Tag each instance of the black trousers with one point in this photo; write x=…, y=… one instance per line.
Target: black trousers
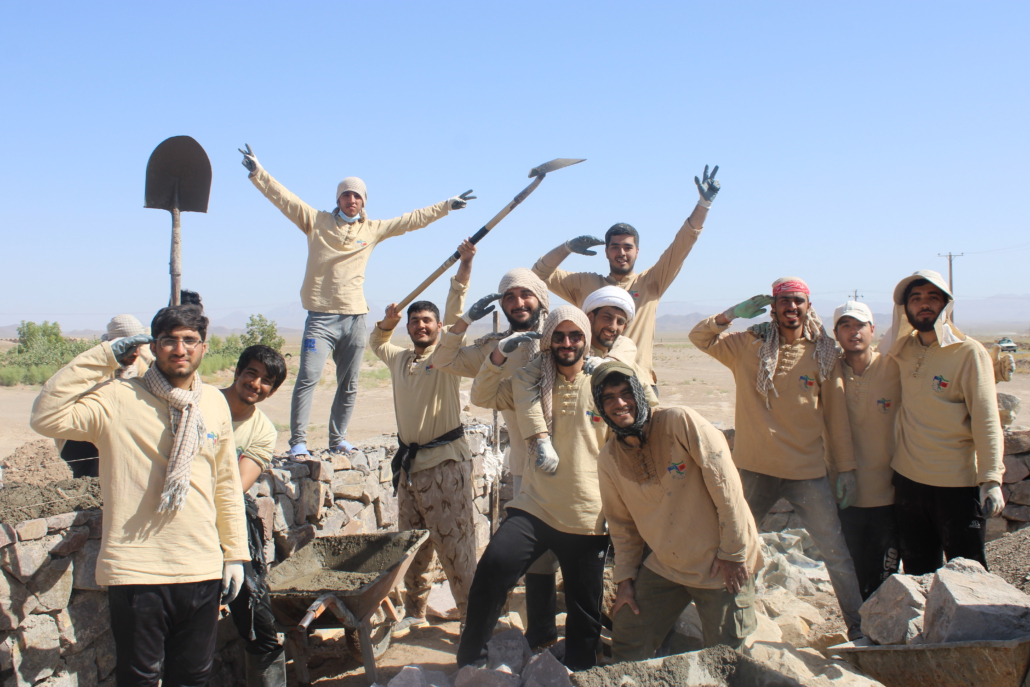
x=170, y=624
x=519, y=541
x=872, y=538
x=937, y=523
x=251, y=610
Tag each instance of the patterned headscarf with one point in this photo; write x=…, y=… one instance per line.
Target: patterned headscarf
x=189, y=429
x=564, y=313
x=521, y=278
x=601, y=372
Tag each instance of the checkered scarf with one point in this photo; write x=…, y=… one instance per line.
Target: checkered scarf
x=188, y=426
x=769, y=353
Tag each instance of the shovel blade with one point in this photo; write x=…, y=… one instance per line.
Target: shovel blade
x=182, y=159
x=553, y=165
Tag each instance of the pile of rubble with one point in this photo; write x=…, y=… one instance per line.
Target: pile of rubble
x=1016, y=489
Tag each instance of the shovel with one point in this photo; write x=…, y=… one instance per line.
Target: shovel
x=178, y=180
x=538, y=172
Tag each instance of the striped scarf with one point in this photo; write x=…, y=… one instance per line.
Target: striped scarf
x=769, y=353
x=188, y=426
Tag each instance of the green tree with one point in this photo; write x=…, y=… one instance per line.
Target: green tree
x=262, y=331
x=43, y=344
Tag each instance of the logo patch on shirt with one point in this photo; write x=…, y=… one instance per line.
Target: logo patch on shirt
x=678, y=470
x=806, y=383
x=213, y=438
x=594, y=417
x=884, y=405
x=309, y=346
x=360, y=243
x=429, y=368
x=940, y=383
x=635, y=294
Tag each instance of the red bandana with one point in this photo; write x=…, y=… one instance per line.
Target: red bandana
x=791, y=287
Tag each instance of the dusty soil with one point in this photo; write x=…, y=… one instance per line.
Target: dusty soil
x=36, y=462
x=1009, y=557
x=20, y=501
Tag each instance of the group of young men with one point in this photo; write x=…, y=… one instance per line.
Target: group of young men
x=597, y=461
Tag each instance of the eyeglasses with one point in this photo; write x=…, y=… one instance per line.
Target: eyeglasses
x=169, y=343
x=573, y=337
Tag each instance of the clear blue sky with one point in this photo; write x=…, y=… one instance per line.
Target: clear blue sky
x=855, y=140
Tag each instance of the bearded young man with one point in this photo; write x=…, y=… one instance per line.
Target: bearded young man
x=790, y=396
x=174, y=532
x=948, y=459
x=662, y=469
x=559, y=508
x=432, y=469
x=339, y=245
x=621, y=247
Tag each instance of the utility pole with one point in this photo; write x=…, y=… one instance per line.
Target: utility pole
x=950, y=257
x=857, y=296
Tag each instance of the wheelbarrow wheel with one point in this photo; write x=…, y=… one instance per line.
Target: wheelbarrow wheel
x=380, y=641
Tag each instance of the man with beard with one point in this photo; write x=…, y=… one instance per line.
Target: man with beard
x=621, y=246
x=174, y=532
x=948, y=459
x=661, y=469
x=873, y=398
x=610, y=310
x=560, y=505
x=432, y=469
x=339, y=245
x=524, y=302
x=260, y=371
x=790, y=396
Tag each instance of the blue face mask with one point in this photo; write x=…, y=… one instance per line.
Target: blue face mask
x=348, y=220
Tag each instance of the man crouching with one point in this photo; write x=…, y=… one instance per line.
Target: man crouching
x=668, y=482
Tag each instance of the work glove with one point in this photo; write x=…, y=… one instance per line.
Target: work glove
x=1005, y=367
x=125, y=345
x=847, y=489
x=250, y=160
x=991, y=499
x=458, y=202
x=582, y=244
x=232, y=581
x=546, y=456
x=590, y=364
x=481, y=308
x=707, y=186
x=509, y=344
x=749, y=309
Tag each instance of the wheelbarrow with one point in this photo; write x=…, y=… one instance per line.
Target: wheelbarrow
x=998, y=663
x=350, y=576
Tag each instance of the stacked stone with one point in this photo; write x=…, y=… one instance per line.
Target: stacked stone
x=1016, y=489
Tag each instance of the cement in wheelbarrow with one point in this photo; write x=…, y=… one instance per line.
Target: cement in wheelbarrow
x=718, y=666
x=994, y=663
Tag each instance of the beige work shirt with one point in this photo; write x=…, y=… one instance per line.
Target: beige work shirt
x=426, y=402
x=255, y=438
x=338, y=251
x=783, y=438
x=949, y=432
x=569, y=500
x=680, y=495
x=646, y=288
x=466, y=361
x=133, y=431
x=873, y=400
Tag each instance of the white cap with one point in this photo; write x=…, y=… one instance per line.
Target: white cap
x=859, y=311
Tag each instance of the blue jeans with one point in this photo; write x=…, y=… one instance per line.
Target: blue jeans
x=345, y=336
x=814, y=503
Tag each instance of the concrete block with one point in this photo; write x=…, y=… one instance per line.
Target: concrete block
x=546, y=671
x=1016, y=469
x=287, y=543
x=1017, y=440
x=53, y=585
x=37, y=651
x=508, y=648
x=23, y=560
x=85, y=619
x=31, y=529
x=967, y=603
x=16, y=602
x=68, y=542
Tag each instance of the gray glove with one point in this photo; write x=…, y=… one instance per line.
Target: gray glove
x=250, y=160
x=127, y=344
x=590, y=363
x=508, y=345
x=546, y=456
x=481, y=308
x=707, y=186
x=458, y=202
x=749, y=309
x=581, y=244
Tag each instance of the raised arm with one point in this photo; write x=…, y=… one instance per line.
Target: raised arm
x=710, y=336
x=459, y=284
x=296, y=210
x=567, y=285
x=380, y=343
x=453, y=358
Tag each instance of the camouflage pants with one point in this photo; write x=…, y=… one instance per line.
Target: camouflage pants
x=439, y=499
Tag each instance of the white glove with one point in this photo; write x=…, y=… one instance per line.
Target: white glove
x=1006, y=366
x=991, y=499
x=459, y=202
x=232, y=581
x=510, y=343
x=546, y=456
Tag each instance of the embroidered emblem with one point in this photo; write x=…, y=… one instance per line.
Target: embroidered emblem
x=884, y=405
x=940, y=383
x=429, y=368
x=361, y=244
x=594, y=417
x=635, y=294
x=213, y=438
x=806, y=383
x=678, y=470
x=309, y=345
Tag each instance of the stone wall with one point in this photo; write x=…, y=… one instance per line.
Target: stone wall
x=54, y=619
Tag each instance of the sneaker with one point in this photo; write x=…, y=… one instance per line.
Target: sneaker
x=405, y=626
x=299, y=450
x=343, y=446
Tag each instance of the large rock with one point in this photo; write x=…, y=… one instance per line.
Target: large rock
x=332, y=523
x=894, y=613
x=1016, y=469
x=16, y=602
x=441, y=602
x=106, y=656
x=1020, y=492
x=312, y=497
x=7, y=535
x=287, y=543
x=83, y=621
x=1017, y=440
x=81, y=668
x=482, y=677
x=86, y=565
x=63, y=521
x=37, y=652
x=783, y=603
x=386, y=508
x=410, y=676
x=1008, y=408
x=31, y=529
x=23, y=560
x=348, y=484
x=68, y=542
x=508, y=648
x=544, y=670
x=283, y=518
x=1016, y=513
x=320, y=470
x=53, y=585
x=968, y=603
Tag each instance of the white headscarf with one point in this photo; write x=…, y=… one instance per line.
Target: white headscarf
x=901, y=329
x=614, y=297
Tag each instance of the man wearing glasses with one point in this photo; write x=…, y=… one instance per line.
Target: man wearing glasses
x=174, y=532
x=559, y=507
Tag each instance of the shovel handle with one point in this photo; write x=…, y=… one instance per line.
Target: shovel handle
x=476, y=238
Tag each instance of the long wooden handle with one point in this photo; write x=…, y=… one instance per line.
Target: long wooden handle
x=484, y=230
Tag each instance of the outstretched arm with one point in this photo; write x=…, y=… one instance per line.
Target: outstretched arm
x=561, y=283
